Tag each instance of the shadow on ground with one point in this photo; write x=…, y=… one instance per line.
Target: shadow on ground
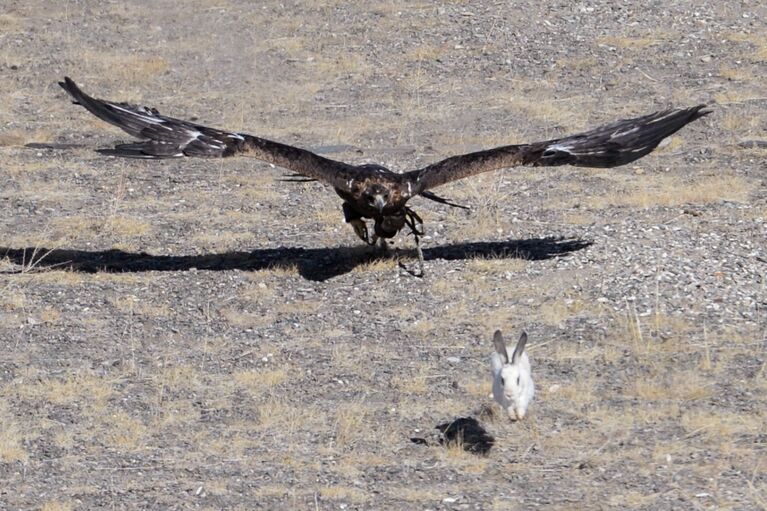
x=316, y=264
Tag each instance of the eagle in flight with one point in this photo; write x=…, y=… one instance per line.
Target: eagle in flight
x=372, y=191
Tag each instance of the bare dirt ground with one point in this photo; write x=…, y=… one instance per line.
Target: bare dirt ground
x=206, y=337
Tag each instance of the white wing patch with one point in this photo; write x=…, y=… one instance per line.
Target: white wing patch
x=623, y=133
x=192, y=137
x=668, y=114
x=150, y=118
x=565, y=148
x=560, y=147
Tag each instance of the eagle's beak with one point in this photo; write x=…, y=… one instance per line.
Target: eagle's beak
x=380, y=202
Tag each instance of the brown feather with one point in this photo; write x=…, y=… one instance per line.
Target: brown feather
x=167, y=137
x=614, y=144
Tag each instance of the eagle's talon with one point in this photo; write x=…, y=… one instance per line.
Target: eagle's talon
x=413, y=221
x=361, y=230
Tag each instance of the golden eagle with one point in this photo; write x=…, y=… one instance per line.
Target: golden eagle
x=372, y=191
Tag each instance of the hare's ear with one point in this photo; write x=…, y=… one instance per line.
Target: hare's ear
x=500, y=346
x=520, y=348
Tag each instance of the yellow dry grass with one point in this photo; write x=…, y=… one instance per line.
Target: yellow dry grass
x=346, y=493
x=11, y=442
x=87, y=389
x=687, y=385
x=57, y=505
x=757, y=42
x=257, y=382
x=18, y=137
x=673, y=191
x=629, y=43
x=415, y=383
x=350, y=423
x=125, y=433
x=122, y=67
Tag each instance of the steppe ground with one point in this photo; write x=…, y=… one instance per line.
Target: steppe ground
x=195, y=334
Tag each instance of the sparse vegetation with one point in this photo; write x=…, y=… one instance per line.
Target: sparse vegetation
x=194, y=334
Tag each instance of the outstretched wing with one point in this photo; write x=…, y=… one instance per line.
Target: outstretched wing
x=166, y=137
x=611, y=145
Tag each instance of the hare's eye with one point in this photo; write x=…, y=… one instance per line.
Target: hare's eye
x=503, y=382
x=517, y=380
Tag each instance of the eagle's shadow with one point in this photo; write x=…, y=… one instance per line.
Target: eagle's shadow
x=317, y=264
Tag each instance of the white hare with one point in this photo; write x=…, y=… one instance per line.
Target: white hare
x=513, y=387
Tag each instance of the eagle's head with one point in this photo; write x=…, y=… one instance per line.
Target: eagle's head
x=376, y=196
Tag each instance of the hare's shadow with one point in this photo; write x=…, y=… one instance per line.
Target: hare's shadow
x=316, y=264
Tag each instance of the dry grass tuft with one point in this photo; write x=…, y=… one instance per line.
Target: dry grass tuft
x=350, y=423
x=559, y=310
x=686, y=385
x=124, y=68
x=629, y=43
x=736, y=74
x=633, y=499
x=56, y=505
x=11, y=442
x=757, y=40
x=84, y=388
x=546, y=109
x=19, y=137
x=425, y=52
x=301, y=307
x=343, y=64
x=740, y=125
x=415, y=383
x=578, y=393
x=285, y=418
x=722, y=426
x=482, y=388
x=453, y=455
x=738, y=95
x=673, y=191
x=125, y=432
x=247, y=318
x=415, y=494
x=282, y=270
x=256, y=382
x=377, y=265
x=273, y=490
x=348, y=493
x=496, y=265
x=126, y=227
x=12, y=299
